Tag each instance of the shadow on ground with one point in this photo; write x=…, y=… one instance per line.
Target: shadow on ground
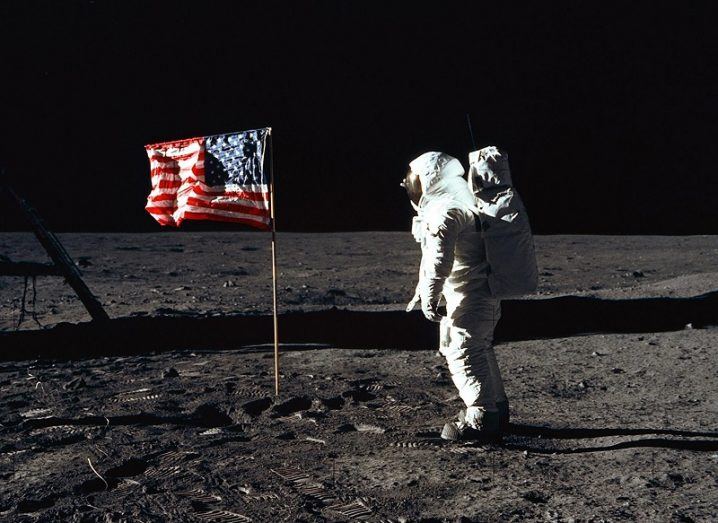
x=530, y=438
x=529, y=435
x=521, y=320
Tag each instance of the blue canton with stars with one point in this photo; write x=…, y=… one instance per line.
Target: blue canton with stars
x=235, y=159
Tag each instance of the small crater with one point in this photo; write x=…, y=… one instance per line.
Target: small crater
x=358, y=395
x=209, y=415
x=292, y=405
x=170, y=372
x=256, y=407
x=334, y=403
x=346, y=427
x=95, y=485
x=33, y=505
x=536, y=496
x=132, y=467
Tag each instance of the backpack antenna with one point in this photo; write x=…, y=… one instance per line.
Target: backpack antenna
x=471, y=132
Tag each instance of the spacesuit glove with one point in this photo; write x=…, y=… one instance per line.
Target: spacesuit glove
x=414, y=301
x=430, y=310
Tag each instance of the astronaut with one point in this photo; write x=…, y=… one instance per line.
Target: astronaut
x=454, y=265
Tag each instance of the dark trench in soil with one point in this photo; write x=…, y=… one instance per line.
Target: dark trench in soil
x=521, y=320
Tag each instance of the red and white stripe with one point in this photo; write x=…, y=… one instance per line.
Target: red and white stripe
x=179, y=191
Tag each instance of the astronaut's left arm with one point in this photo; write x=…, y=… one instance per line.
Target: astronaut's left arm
x=438, y=258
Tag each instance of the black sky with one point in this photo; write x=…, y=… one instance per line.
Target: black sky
x=608, y=110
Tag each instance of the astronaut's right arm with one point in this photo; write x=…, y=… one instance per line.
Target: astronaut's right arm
x=438, y=243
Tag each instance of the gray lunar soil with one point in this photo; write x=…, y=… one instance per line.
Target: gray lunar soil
x=605, y=427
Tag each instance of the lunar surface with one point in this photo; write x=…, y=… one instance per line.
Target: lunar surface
x=606, y=426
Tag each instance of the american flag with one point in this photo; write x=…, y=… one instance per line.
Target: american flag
x=217, y=178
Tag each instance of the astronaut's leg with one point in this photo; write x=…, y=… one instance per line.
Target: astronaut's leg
x=469, y=366
x=470, y=325
x=444, y=335
x=502, y=402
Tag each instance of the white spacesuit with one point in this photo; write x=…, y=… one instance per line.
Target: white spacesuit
x=454, y=264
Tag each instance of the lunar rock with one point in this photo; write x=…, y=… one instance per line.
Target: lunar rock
x=170, y=372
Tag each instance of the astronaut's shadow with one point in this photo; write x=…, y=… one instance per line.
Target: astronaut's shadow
x=537, y=439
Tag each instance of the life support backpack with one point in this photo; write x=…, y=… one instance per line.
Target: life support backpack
x=504, y=225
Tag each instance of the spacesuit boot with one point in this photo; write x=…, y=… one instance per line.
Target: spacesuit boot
x=473, y=424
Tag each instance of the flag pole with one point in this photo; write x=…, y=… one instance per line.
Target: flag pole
x=274, y=264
